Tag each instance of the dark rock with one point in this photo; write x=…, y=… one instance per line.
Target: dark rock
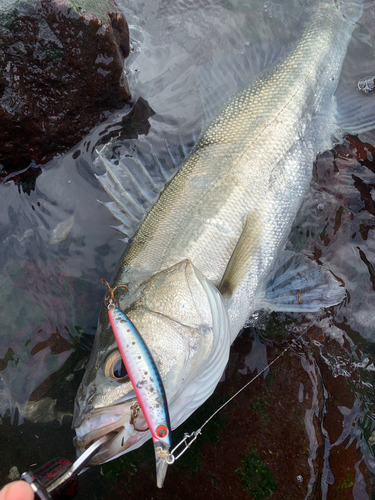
x=61, y=72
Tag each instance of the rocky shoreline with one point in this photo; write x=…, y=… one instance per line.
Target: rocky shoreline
x=61, y=73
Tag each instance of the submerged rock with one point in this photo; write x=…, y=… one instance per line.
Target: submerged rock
x=61, y=72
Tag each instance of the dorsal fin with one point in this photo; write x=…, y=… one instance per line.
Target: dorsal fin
x=133, y=188
x=136, y=172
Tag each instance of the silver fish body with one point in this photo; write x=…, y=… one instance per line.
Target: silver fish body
x=220, y=224
x=254, y=161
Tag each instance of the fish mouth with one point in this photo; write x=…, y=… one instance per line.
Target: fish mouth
x=82, y=443
x=111, y=419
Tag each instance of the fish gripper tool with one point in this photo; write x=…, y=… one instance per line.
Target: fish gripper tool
x=58, y=478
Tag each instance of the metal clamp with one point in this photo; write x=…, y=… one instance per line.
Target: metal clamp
x=186, y=445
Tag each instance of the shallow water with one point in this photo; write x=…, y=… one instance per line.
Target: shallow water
x=304, y=430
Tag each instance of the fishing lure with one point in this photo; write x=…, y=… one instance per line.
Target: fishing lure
x=146, y=381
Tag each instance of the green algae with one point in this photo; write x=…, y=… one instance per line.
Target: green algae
x=259, y=405
x=98, y=8
x=271, y=376
x=276, y=325
x=347, y=483
x=257, y=479
x=54, y=54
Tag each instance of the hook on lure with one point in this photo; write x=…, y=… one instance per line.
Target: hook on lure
x=146, y=381
x=111, y=301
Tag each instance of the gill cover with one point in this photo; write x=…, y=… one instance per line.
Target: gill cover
x=182, y=317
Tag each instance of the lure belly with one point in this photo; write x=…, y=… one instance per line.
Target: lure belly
x=146, y=381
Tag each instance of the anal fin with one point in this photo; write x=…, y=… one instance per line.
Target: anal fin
x=299, y=284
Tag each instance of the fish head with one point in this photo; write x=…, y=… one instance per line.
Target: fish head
x=183, y=321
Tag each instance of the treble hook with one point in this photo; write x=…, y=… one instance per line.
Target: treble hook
x=134, y=412
x=111, y=301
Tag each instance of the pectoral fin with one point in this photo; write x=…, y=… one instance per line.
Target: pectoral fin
x=299, y=284
x=240, y=262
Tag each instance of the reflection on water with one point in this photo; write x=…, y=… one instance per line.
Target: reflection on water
x=304, y=430
x=52, y=249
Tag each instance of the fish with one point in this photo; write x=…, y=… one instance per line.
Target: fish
x=206, y=247
x=146, y=381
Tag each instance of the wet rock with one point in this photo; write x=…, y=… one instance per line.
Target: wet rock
x=61, y=72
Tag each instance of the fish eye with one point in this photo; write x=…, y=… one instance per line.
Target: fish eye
x=114, y=367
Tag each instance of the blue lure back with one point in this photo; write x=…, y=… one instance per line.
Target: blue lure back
x=146, y=381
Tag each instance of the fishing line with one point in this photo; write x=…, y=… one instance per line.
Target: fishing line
x=194, y=435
